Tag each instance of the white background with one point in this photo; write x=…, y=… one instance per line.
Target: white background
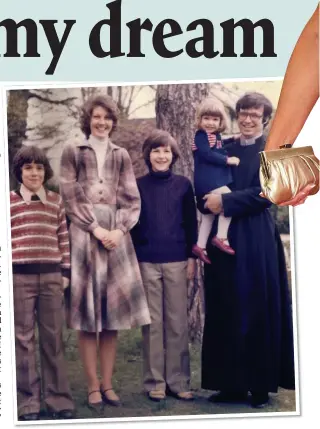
x=307, y=241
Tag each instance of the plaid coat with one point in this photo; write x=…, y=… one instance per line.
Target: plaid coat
x=106, y=286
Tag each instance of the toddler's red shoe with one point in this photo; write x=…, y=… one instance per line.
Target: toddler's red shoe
x=201, y=253
x=221, y=244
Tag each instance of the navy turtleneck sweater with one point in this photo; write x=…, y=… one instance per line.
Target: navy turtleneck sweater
x=167, y=228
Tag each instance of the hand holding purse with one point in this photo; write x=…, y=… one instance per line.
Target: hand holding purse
x=286, y=171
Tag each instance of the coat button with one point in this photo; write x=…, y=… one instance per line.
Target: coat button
x=101, y=181
x=100, y=192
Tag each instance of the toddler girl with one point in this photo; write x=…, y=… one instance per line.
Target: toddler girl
x=212, y=173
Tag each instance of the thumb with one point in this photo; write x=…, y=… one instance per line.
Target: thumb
x=205, y=197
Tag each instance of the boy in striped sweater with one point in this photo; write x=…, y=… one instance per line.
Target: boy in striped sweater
x=41, y=271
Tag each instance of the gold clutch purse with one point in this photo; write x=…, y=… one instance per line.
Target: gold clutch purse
x=286, y=171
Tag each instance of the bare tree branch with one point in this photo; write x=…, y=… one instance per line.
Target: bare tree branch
x=142, y=105
x=65, y=101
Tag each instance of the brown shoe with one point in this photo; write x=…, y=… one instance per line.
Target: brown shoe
x=29, y=417
x=62, y=414
x=201, y=254
x=157, y=395
x=182, y=396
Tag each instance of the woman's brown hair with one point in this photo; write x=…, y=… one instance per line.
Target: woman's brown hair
x=103, y=101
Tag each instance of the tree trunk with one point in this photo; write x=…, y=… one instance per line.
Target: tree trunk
x=175, y=113
x=17, y=108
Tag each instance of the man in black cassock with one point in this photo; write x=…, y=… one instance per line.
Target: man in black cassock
x=248, y=338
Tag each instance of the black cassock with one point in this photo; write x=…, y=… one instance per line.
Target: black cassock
x=248, y=337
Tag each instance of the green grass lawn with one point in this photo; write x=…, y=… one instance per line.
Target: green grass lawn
x=127, y=383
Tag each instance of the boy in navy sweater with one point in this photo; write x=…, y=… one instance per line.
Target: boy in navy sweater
x=163, y=240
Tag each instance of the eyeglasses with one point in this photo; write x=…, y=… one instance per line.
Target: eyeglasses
x=253, y=116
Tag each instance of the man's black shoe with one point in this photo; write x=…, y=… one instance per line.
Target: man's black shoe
x=228, y=397
x=259, y=400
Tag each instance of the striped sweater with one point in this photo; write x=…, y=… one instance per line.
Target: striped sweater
x=213, y=140
x=39, y=235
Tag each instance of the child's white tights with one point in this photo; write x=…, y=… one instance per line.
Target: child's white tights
x=207, y=220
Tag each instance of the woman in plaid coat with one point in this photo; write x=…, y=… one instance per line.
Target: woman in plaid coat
x=102, y=202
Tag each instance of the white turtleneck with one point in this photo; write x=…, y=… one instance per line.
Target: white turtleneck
x=100, y=147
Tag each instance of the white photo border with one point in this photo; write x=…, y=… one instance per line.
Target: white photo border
x=8, y=86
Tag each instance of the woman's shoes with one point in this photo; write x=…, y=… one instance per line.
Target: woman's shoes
x=109, y=397
x=95, y=406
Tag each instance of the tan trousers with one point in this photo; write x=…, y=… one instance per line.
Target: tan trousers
x=165, y=340
x=39, y=297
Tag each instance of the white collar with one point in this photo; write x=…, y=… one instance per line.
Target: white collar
x=250, y=141
x=27, y=194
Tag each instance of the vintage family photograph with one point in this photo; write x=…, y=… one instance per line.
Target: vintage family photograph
x=149, y=276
